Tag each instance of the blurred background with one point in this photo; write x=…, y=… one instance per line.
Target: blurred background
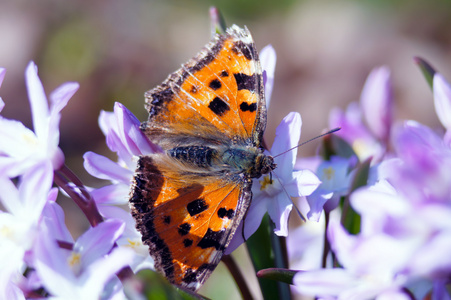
x=119, y=49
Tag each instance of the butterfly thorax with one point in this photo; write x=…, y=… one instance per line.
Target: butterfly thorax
x=236, y=159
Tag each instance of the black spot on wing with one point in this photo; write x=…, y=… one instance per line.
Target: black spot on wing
x=196, y=207
x=224, y=73
x=246, y=82
x=215, y=84
x=212, y=239
x=167, y=219
x=246, y=107
x=192, y=276
x=187, y=242
x=224, y=212
x=218, y=106
x=184, y=229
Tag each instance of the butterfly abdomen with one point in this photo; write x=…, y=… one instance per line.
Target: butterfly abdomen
x=200, y=156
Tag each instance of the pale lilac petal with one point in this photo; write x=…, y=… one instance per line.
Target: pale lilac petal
x=304, y=183
x=102, y=270
x=98, y=241
x=61, y=96
x=254, y=216
x=2, y=76
x=442, y=100
x=131, y=135
x=59, y=99
x=12, y=134
x=324, y=282
x=115, y=194
x=51, y=265
x=393, y=295
x=34, y=189
x=12, y=167
x=376, y=102
x=268, y=59
x=115, y=144
x=288, y=134
x=104, y=168
x=279, y=213
x=9, y=196
x=316, y=202
x=38, y=101
x=53, y=216
x=107, y=122
x=2, y=104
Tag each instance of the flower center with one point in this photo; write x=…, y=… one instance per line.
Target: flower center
x=74, y=259
x=5, y=231
x=134, y=243
x=265, y=183
x=329, y=173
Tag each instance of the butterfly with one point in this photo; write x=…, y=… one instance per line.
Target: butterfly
x=208, y=118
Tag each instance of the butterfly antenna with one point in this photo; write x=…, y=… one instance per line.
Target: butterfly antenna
x=303, y=218
x=316, y=137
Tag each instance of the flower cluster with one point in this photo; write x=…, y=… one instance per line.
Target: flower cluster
x=378, y=201
x=401, y=250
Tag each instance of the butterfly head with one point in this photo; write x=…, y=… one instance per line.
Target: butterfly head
x=263, y=165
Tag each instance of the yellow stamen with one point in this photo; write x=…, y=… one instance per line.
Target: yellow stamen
x=265, y=182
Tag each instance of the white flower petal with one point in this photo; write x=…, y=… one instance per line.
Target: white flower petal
x=268, y=59
x=38, y=101
x=442, y=100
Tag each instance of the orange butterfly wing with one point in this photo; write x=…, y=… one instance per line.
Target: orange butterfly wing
x=209, y=118
x=187, y=226
x=218, y=91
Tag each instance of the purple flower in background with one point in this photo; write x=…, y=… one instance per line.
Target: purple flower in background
x=442, y=102
x=405, y=226
x=274, y=196
x=84, y=271
x=2, y=76
x=22, y=148
x=376, y=105
x=335, y=175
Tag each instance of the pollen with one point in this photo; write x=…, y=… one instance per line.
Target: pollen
x=133, y=243
x=74, y=259
x=265, y=183
x=6, y=231
x=329, y=173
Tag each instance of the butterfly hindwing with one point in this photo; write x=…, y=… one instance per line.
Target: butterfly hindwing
x=187, y=225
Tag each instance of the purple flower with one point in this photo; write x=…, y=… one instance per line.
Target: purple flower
x=376, y=107
x=335, y=176
x=405, y=226
x=273, y=196
x=268, y=60
x=123, y=136
x=376, y=102
x=22, y=148
x=84, y=271
x=442, y=102
x=2, y=76
x=19, y=224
